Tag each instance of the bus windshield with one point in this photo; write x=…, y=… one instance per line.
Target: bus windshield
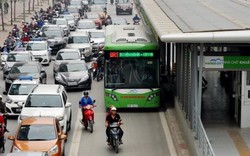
x=132, y=72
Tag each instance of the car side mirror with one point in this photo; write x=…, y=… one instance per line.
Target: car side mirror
x=66, y=39
x=68, y=104
x=4, y=92
x=11, y=137
x=42, y=71
x=63, y=137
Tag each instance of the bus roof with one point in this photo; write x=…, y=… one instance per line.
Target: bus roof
x=129, y=37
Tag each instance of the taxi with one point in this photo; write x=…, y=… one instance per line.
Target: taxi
x=18, y=93
x=40, y=134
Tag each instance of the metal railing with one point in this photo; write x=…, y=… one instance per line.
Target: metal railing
x=201, y=136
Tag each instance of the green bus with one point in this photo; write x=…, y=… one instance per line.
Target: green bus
x=131, y=77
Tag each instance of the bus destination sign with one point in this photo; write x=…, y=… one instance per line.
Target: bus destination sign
x=130, y=54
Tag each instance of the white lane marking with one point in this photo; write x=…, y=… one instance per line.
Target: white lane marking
x=76, y=139
x=169, y=138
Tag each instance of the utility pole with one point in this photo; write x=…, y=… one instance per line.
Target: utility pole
x=11, y=12
x=1, y=7
x=29, y=6
x=15, y=10
x=24, y=10
x=33, y=5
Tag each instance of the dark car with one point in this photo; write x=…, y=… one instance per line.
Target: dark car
x=73, y=75
x=124, y=6
x=55, y=37
x=34, y=69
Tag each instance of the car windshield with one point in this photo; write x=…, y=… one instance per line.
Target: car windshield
x=122, y=1
x=132, y=72
x=86, y=25
x=24, y=69
x=52, y=33
x=68, y=56
x=72, y=67
x=99, y=1
x=37, y=132
x=60, y=22
x=17, y=57
x=75, y=3
x=21, y=89
x=78, y=39
x=73, y=10
x=36, y=46
x=41, y=100
x=92, y=16
x=69, y=17
x=97, y=34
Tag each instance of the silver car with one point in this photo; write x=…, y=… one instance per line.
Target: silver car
x=62, y=23
x=66, y=54
x=81, y=41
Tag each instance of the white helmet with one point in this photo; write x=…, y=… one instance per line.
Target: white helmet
x=113, y=109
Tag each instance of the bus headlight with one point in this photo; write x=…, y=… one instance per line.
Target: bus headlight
x=112, y=96
x=152, y=96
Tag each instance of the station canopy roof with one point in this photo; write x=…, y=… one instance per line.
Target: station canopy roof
x=199, y=20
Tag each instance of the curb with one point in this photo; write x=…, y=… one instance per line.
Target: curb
x=177, y=133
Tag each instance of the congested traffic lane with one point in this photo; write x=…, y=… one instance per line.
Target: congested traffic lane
x=143, y=132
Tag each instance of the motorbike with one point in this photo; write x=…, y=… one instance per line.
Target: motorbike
x=88, y=117
x=115, y=136
x=136, y=22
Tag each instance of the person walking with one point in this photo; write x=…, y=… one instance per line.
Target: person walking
x=6, y=7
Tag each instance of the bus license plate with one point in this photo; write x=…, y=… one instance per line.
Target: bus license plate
x=132, y=105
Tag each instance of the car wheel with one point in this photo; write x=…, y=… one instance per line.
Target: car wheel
x=69, y=122
x=63, y=153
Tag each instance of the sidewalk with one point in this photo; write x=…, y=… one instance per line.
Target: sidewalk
x=19, y=15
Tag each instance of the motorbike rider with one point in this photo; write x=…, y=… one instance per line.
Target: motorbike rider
x=111, y=118
x=136, y=18
x=108, y=20
x=5, y=48
x=86, y=100
x=3, y=111
x=15, y=31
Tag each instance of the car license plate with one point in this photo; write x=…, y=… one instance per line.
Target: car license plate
x=72, y=83
x=132, y=106
x=18, y=110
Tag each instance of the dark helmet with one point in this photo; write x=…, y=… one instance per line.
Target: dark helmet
x=85, y=93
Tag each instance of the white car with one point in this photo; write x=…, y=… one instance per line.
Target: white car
x=71, y=21
x=18, y=94
x=97, y=37
x=81, y=41
x=49, y=101
x=40, y=50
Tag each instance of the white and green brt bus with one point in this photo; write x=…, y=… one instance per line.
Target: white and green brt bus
x=131, y=77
